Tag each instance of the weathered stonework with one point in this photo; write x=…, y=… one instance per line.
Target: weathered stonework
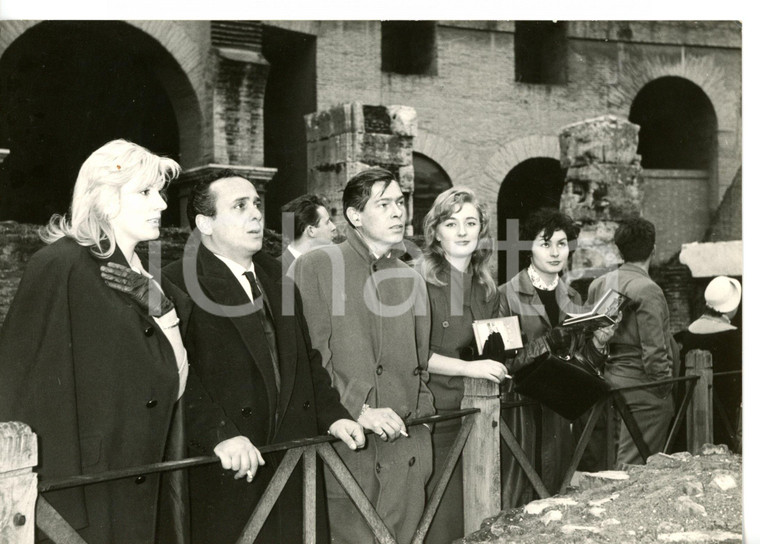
x=349, y=138
x=602, y=186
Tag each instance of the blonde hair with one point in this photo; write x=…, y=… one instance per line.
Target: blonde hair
x=96, y=193
x=434, y=263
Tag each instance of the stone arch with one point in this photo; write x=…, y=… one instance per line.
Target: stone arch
x=510, y=155
x=447, y=155
x=184, y=82
x=702, y=71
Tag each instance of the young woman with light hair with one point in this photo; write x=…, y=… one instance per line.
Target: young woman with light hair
x=457, y=249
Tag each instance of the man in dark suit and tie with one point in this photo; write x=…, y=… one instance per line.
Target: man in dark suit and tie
x=254, y=378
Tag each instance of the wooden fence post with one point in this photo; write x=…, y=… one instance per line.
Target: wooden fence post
x=18, y=484
x=481, y=462
x=699, y=417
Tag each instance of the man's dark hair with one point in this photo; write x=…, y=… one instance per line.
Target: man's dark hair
x=546, y=221
x=305, y=210
x=359, y=188
x=202, y=200
x=634, y=238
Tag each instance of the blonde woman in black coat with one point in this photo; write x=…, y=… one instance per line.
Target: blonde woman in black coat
x=91, y=357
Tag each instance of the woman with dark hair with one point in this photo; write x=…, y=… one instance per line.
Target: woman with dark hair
x=460, y=289
x=541, y=300
x=91, y=356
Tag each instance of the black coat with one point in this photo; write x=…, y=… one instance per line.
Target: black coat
x=231, y=391
x=96, y=379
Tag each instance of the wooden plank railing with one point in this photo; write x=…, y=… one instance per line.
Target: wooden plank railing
x=18, y=457
x=477, y=443
x=615, y=397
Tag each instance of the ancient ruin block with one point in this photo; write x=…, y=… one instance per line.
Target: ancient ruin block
x=349, y=138
x=346, y=118
x=406, y=178
x=605, y=139
x=602, y=191
x=403, y=120
x=387, y=149
x=596, y=247
x=601, y=186
x=603, y=169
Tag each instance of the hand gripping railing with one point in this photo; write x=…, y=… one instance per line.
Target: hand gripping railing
x=60, y=532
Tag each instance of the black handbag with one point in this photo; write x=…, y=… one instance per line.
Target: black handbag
x=567, y=386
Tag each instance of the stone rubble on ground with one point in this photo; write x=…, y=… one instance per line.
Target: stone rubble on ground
x=673, y=498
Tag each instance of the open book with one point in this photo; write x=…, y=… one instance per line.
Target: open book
x=604, y=313
x=508, y=327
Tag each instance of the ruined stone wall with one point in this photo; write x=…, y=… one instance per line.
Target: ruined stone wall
x=347, y=139
x=475, y=103
x=727, y=224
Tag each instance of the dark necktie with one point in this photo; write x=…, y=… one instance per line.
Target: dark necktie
x=266, y=322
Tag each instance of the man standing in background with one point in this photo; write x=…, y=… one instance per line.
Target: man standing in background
x=312, y=228
x=641, y=348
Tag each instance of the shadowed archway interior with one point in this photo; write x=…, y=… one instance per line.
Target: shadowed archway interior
x=532, y=184
x=430, y=180
x=65, y=89
x=678, y=125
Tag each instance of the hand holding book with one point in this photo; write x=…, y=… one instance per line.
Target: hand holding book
x=607, y=311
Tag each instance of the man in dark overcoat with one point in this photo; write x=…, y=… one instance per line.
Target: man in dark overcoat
x=254, y=379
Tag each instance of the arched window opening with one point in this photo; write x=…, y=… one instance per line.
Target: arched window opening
x=430, y=180
x=532, y=184
x=66, y=88
x=678, y=125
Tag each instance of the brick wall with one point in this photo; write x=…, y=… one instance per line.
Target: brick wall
x=475, y=103
x=676, y=202
x=727, y=224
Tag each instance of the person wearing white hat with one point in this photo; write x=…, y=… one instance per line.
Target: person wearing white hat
x=715, y=332
x=722, y=298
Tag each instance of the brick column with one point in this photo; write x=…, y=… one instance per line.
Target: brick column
x=238, y=81
x=347, y=139
x=601, y=186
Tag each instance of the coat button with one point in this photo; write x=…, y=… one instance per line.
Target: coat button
x=139, y=479
x=445, y=324
x=246, y=412
x=306, y=405
x=151, y=403
x=416, y=371
x=412, y=461
x=379, y=370
x=377, y=468
x=149, y=331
